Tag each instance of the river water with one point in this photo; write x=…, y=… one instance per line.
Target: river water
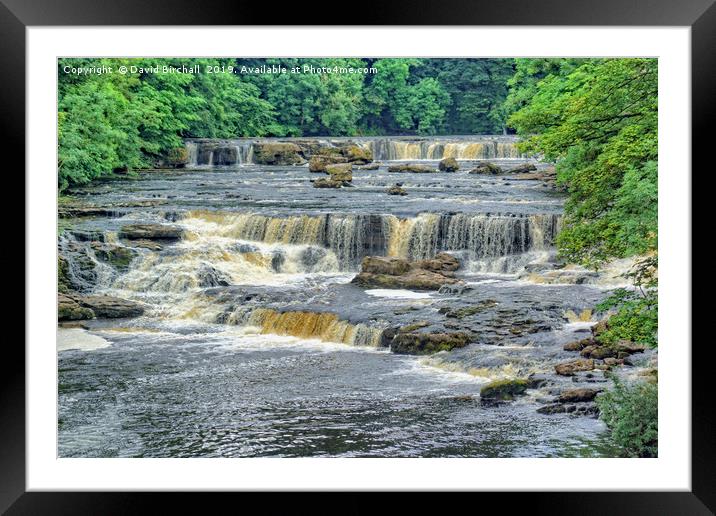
x=255, y=343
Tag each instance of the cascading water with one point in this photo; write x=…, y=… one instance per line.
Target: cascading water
x=475, y=148
x=352, y=237
x=215, y=152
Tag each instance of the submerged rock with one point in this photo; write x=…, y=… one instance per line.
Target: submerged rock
x=411, y=167
x=584, y=409
x=326, y=183
x=370, y=166
x=503, y=390
x=416, y=343
x=448, y=165
x=396, y=190
x=151, y=232
x=208, y=276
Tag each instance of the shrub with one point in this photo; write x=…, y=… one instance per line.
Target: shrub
x=631, y=413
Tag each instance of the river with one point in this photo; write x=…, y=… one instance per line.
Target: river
x=256, y=343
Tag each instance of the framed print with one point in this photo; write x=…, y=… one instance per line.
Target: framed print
x=360, y=258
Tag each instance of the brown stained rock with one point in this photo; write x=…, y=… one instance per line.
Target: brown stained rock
x=574, y=366
x=578, y=395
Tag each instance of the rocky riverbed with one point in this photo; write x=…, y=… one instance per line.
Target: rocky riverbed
x=232, y=308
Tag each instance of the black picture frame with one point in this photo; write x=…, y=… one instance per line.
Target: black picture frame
x=700, y=15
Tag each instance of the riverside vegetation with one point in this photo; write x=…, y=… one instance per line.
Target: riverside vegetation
x=188, y=197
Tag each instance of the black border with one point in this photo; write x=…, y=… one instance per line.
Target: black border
x=700, y=15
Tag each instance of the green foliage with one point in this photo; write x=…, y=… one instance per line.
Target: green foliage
x=636, y=318
x=636, y=312
x=598, y=121
x=631, y=413
x=111, y=122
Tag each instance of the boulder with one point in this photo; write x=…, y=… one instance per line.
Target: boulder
x=521, y=169
x=396, y=190
x=369, y=166
x=574, y=366
x=503, y=390
x=340, y=172
x=319, y=163
x=150, y=232
x=411, y=167
x=486, y=168
x=440, y=263
x=415, y=279
x=386, y=272
x=277, y=153
x=326, y=183
x=578, y=395
x=598, y=352
x=385, y=265
x=629, y=348
x=68, y=309
x=448, y=165
x=110, y=307
x=578, y=345
x=415, y=343
x=357, y=154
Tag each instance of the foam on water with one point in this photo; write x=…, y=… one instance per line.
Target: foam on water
x=78, y=338
x=397, y=293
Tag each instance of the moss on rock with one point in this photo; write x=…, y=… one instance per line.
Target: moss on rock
x=504, y=390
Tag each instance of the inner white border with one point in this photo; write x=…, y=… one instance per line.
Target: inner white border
x=670, y=471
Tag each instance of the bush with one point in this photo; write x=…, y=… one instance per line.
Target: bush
x=631, y=413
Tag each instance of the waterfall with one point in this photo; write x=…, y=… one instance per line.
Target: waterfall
x=480, y=235
x=83, y=270
x=468, y=148
x=348, y=237
x=325, y=326
x=217, y=152
x=214, y=153
x=351, y=237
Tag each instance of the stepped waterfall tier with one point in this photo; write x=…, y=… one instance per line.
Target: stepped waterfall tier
x=245, y=151
x=210, y=309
